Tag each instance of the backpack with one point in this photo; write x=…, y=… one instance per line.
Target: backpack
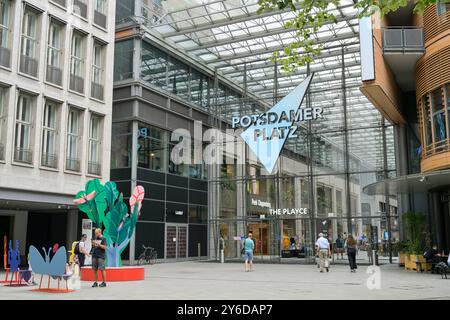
x=76, y=250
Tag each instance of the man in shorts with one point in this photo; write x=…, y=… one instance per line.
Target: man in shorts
x=249, y=246
x=98, y=257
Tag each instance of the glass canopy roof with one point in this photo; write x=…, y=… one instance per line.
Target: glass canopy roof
x=230, y=37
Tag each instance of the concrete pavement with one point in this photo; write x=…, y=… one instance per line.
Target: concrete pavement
x=210, y=280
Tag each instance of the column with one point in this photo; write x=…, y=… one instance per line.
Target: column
x=72, y=228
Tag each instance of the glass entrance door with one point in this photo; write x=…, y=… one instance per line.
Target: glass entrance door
x=176, y=242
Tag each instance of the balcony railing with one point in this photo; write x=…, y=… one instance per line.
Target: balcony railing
x=2, y=152
x=49, y=160
x=73, y=164
x=80, y=8
x=62, y=3
x=23, y=155
x=94, y=168
x=54, y=75
x=5, y=57
x=28, y=65
x=76, y=83
x=97, y=91
x=99, y=19
x=403, y=39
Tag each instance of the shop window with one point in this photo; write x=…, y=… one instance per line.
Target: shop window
x=198, y=214
x=324, y=201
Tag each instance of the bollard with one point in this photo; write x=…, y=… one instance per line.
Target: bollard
x=199, y=250
x=222, y=256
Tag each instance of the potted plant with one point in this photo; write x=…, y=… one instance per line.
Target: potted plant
x=401, y=247
x=415, y=223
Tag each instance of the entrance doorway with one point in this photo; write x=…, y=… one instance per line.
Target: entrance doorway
x=176, y=241
x=260, y=234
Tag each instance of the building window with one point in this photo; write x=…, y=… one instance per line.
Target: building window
x=54, y=54
x=123, y=60
x=100, y=13
x=438, y=117
x=5, y=52
x=80, y=8
x=74, y=130
x=76, y=63
x=3, y=118
x=442, y=8
x=97, y=88
x=154, y=65
x=94, y=146
x=49, y=157
x=23, y=148
x=152, y=148
x=29, y=44
x=121, y=148
x=62, y=3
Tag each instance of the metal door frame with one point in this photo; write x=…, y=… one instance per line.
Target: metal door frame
x=177, y=225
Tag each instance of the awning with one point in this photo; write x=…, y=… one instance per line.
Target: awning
x=419, y=182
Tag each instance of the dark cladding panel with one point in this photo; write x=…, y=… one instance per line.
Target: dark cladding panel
x=122, y=110
x=121, y=93
x=150, y=235
x=177, y=107
x=152, y=114
x=176, y=212
x=198, y=184
x=124, y=187
x=150, y=176
x=177, y=181
x=152, y=211
x=177, y=194
x=120, y=174
x=153, y=191
x=154, y=98
x=198, y=234
x=198, y=197
x=175, y=122
x=200, y=116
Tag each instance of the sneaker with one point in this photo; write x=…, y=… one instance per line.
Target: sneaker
x=95, y=285
x=321, y=271
x=103, y=284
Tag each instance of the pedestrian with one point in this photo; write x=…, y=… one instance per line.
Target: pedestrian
x=340, y=247
x=323, y=252
x=98, y=257
x=81, y=251
x=249, y=246
x=351, y=245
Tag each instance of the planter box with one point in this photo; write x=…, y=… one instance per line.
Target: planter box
x=115, y=274
x=407, y=262
x=401, y=259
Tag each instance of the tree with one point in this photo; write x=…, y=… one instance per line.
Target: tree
x=311, y=15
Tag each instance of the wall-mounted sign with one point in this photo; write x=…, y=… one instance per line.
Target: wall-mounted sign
x=178, y=213
x=267, y=133
x=292, y=211
x=262, y=204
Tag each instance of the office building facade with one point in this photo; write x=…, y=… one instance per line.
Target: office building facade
x=55, y=113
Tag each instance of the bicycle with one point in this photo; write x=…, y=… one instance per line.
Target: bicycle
x=149, y=256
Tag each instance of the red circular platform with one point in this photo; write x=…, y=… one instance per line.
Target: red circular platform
x=115, y=274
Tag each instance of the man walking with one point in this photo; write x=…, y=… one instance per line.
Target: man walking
x=98, y=257
x=249, y=246
x=323, y=251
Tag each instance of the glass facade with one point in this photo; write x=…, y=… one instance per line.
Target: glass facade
x=323, y=170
